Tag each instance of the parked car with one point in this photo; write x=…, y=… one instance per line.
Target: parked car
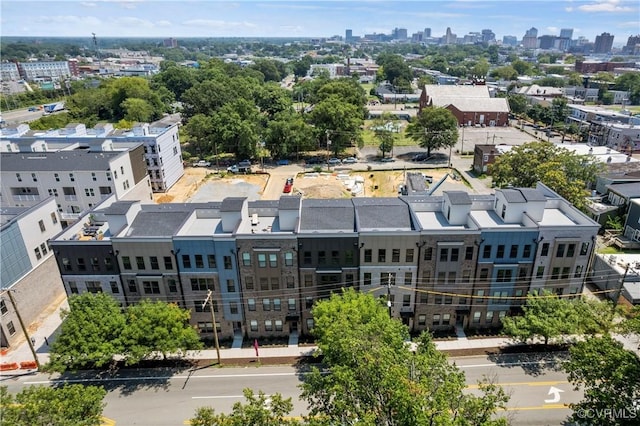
x=202, y=163
x=33, y=109
x=233, y=169
x=288, y=186
x=283, y=162
x=387, y=160
x=334, y=161
x=244, y=163
x=290, y=180
x=427, y=178
x=350, y=160
x=314, y=160
x=419, y=157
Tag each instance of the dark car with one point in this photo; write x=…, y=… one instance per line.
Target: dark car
x=419, y=157
x=288, y=186
x=314, y=160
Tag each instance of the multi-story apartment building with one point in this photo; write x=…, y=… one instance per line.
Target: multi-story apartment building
x=27, y=266
x=440, y=261
x=9, y=71
x=44, y=70
x=159, y=139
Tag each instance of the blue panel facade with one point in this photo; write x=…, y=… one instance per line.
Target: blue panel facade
x=14, y=257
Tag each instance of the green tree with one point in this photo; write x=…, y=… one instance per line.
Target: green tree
x=200, y=131
x=176, y=78
x=563, y=171
x=630, y=82
x=136, y=109
x=302, y=66
x=373, y=378
x=237, y=127
x=522, y=67
x=609, y=376
x=336, y=121
x=383, y=129
x=545, y=316
x=286, y=134
x=272, y=99
x=157, y=327
x=89, y=334
x=481, y=68
x=121, y=89
x=434, y=128
x=268, y=68
x=394, y=69
x=259, y=410
x=505, y=73
x=517, y=104
x=69, y=405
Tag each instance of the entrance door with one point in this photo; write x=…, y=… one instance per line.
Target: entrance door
x=293, y=326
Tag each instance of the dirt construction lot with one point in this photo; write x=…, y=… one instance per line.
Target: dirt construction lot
x=203, y=185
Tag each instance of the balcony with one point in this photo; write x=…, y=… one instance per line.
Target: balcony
x=25, y=197
x=71, y=197
x=69, y=216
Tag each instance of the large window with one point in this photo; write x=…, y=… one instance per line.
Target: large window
x=246, y=259
x=368, y=255
x=199, y=261
x=202, y=284
x=486, y=251
x=153, y=260
x=211, y=260
x=262, y=260
x=288, y=259
x=395, y=255
x=227, y=262
x=186, y=261
x=251, y=304
x=273, y=260
x=151, y=287
x=140, y=262
x=382, y=255
x=168, y=263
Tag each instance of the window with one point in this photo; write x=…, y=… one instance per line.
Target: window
x=322, y=257
x=555, y=273
x=406, y=300
x=168, y=263
x=277, y=306
x=565, y=272
x=436, y=319
x=455, y=254
x=389, y=278
x=199, y=261
x=468, y=253
x=462, y=301
x=291, y=304
x=367, y=255
x=268, y=325
x=408, y=278
x=395, y=255
x=11, y=328
x=476, y=317
x=93, y=176
x=367, y=278
x=248, y=282
x=437, y=299
x=571, y=250
x=71, y=178
x=501, y=314
x=540, y=272
x=3, y=307
x=428, y=253
x=448, y=300
x=43, y=249
x=486, y=252
x=466, y=276
x=578, y=271
x=310, y=324
x=251, y=304
x=560, y=250
x=54, y=218
x=290, y=282
x=308, y=302
x=133, y=288
x=584, y=249
x=446, y=319
x=348, y=257
x=201, y=306
x=278, y=325
x=37, y=253
x=513, y=253
x=500, y=251
x=81, y=264
x=382, y=255
x=140, y=262
x=73, y=288
x=504, y=211
x=426, y=277
x=233, y=308
x=489, y=317
x=306, y=258
x=95, y=264
x=409, y=256
x=335, y=257
x=153, y=260
x=545, y=249
x=262, y=260
x=526, y=253
x=227, y=262
x=266, y=304
x=288, y=259
x=151, y=287
x=231, y=286
x=308, y=280
x=422, y=320
x=173, y=286
x=211, y=261
x=444, y=255
x=504, y=275
x=264, y=283
x=66, y=264
x=254, y=325
x=484, y=273
x=275, y=283
x=94, y=287
x=202, y=284
x=186, y=261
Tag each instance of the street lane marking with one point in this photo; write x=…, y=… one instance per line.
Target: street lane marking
x=105, y=421
x=122, y=379
x=558, y=382
x=507, y=364
x=217, y=397
x=540, y=407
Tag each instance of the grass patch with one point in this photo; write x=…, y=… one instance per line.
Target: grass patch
x=615, y=250
x=369, y=137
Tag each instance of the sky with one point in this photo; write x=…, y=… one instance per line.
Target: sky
x=275, y=18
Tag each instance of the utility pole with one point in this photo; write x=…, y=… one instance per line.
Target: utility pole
x=389, y=294
x=24, y=329
x=616, y=295
x=213, y=318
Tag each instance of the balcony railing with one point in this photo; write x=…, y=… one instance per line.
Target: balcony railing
x=71, y=197
x=25, y=197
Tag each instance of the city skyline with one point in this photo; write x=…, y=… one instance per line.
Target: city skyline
x=200, y=18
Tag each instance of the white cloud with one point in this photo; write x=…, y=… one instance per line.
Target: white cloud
x=629, y=24
x=163, y=23
x=67, y=20
x=553, y=29
x=218, y=24
x=130, y=21
x=569, y=9
x=292, y=28
x=88, y=4
x=605, y=6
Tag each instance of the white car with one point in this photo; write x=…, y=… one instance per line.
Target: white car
x=334, y=161
x=350, y=160
x=202, y=163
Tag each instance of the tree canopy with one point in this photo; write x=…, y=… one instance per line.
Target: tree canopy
x=434, y=128
x=69, y=405
x=563, y=171
x=373, y=378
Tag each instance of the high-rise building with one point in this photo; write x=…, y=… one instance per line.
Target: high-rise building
x=603, y=43
x=566, y=33
x=546, y=41
x=510, y=40
x=348, y=36
x=427, y=32
x=530, y=39
x=399, y=34
x=449, y=37
x=633, y=45
x=488, y=36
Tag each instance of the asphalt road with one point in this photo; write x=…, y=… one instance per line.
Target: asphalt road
x=20, y=116
x=156, y=397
